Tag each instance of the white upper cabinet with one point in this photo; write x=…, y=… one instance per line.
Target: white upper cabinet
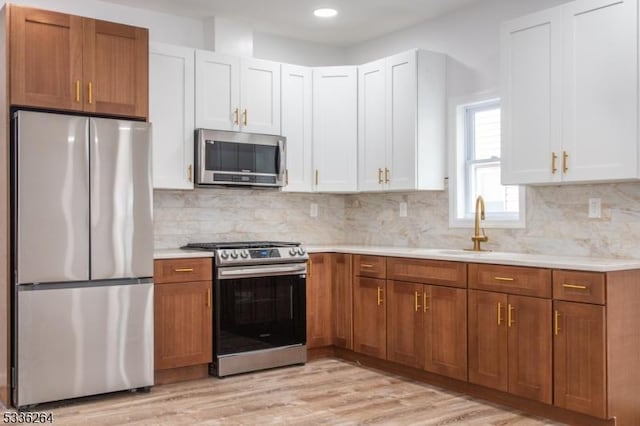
x=402, y=122
x=570, y=94
x=530, y=74
x=237, y=94
x=600, y=90
x=171, y=110
x=335, y=129
x=296, y=127
x=260, y=96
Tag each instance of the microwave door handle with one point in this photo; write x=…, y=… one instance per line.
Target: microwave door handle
x=280, y=157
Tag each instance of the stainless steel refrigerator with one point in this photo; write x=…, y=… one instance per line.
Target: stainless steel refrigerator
x=82, y=256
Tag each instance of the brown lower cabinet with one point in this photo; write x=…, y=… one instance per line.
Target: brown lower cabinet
x=510, y=344
x=319, y=322
x=342, y=296
x=369, y=316
x=183, y=318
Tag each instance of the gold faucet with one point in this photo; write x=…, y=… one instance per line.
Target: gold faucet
x=479, y=237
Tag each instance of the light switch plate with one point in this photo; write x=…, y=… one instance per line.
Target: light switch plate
x=595, y=208
x=403, y=209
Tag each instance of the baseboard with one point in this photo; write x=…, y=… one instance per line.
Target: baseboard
x=181, y=374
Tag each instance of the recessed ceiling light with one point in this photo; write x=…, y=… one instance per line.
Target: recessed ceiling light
x=325, y=13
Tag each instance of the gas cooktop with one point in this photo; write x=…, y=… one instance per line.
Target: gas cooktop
x=239, y=245
x=252, y=252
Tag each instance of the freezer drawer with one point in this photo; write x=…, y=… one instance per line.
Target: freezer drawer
x=75, y=341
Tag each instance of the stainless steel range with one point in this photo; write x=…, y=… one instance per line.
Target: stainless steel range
x=260, y=305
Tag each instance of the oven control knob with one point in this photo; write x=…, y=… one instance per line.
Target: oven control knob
x=224, y=254
x=292, y=252
x=234, y=254
x=244, y=254
x=301, y=251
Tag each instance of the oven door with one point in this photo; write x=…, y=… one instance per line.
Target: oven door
x=259, y=307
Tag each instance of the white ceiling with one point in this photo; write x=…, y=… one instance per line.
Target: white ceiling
x=357, y=20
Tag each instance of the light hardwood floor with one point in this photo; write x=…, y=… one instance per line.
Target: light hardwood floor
x=326, y=391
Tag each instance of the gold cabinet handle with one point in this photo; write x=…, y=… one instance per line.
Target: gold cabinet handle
x=504, y=279
x=366, y=265
x=286, y=177
x=236, y=116
x=380, y=181
x=77, y=90
x=310, y=268
x=575, y=286
x=183, y=270
x=244, y=117
x=386, y=175
x=499, y=313
x=556, y=323
x=510, y=320
x=565, y=158
x=190, y=173
x=426, y=301
x=317, y=177
x=416, y=295
x=554, y=158
x=208, y=298
x=380, y=296
x=90, y=93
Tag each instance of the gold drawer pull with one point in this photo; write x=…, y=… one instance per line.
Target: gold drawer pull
x=504, y=279
x=556, y=325
x=380, y=181
x=426, y=302
x=183, y=270
x=380, y=296
x=77, y=90
x=499, y=313
x=90, y=93
x=366, y=265
x=244, y=117
x=554, y=157
x=208, y=298
x=416, y=298
x=386, y=175
x=565, y=160
x=575, y=286
x=510, y=320
x=236, y=115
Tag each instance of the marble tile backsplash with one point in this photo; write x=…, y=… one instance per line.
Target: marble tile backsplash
x=557, y=220
x=211, y=214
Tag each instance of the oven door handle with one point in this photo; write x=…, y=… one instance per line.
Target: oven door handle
x=261, y=271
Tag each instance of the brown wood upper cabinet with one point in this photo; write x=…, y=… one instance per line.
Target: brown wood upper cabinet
x=67, y=62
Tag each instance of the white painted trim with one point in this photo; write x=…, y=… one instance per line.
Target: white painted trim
x=456, y=166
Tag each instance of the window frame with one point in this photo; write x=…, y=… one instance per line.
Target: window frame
x=460, y=181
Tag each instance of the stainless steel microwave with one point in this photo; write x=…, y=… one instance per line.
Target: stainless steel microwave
x=234, y=158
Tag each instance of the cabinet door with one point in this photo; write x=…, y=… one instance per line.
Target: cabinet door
x=218, y=93
x=531, y=72
x=372, y=105
x=46, y=59
x=171, y=110
x=296, y=127
x=445, y=331
x=405, y=337
x=182, y=324
x=319, y=301
x=580, y=358
x=402, y=130
x=369, y=317
x=260, y=96
x=528, y=320
x=116, y=69
x=601, y=90
x=342, y=294
x=487, y=324
x=335, y=129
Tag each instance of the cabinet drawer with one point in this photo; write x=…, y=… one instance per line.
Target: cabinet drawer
x=427, y=271
x=511, y=279
x=370, y=266
x=574, y=286
x=182, y=270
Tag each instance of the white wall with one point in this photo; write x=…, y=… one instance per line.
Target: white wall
x=162, y=27
x=469, y=36
x=282, y=49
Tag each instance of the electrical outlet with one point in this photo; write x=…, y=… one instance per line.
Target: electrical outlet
x=595, y=208
x=313, y=210
x=403, y=209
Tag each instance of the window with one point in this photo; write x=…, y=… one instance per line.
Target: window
x=477, y=169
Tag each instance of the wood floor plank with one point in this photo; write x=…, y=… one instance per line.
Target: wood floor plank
x=325, y=391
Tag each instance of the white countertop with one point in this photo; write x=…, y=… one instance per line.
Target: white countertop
x=180, y=254
x=594, y=264
x=516, y=259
